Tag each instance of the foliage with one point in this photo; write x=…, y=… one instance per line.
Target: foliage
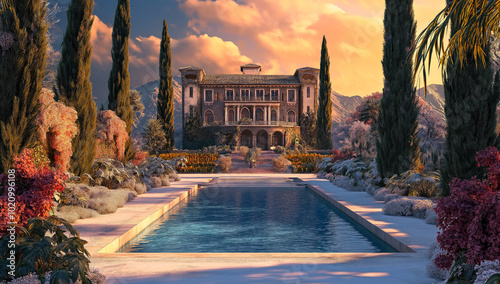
x=139, y=157
x=308, y=128
x=23, y=47
x=136, y=105
x=98, y=198
x=413, y=183
x=486, y=271
x=154, y=136
x=119, y=78
x=166, y=91
x=363, y=140
x=73, y=87
x=469, y=90
x=111, y=129
x=408, y=206
x=279, y=149
x=343, y=155
x=192, y=130
x=34, y=190
x=304, y=163
x=252, y=156
x=244, y=150
x=324, y=115
x=468, y=217
x=281, y=163
x=56, y=128
x=367, y=112
x=48, y=245
x=39, y=156
x=224, y=164
x=398, y=144
x=109, y=173
x=194, y=162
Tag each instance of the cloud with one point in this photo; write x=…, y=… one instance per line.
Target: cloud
x=285, y=35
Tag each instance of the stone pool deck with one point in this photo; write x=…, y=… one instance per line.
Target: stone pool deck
x=259, y=268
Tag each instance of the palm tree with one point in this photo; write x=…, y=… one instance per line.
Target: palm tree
x=477, y=22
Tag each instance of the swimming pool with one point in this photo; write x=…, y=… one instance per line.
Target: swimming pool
x=255, y=219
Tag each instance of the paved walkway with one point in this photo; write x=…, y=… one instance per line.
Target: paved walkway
x=264, y=163
x=247, y=268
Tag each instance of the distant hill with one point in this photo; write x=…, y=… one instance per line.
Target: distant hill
x=343, y=106
x=435, y=97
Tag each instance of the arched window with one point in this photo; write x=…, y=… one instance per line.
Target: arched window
x=291, y=116
x=274, y=115
x=230, y=115
x=209, y=117
x=259, y=114
x=245, y=113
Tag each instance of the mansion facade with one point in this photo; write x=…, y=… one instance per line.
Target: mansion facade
x=267, y=108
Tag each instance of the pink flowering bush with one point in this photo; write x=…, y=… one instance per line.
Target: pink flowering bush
x=111, y=132
x=468, y=218
x=34, y=190
x=56, y=128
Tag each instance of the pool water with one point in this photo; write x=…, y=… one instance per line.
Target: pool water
x=279, y=219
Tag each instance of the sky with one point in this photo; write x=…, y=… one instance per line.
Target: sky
x=280, y=35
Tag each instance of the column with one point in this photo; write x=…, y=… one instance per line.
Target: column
x=278, y=114
x=237, y=113
x=253, y=113
x=265, y=113
x=225, y=115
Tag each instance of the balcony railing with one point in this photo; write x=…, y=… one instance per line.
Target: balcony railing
x=266, y=98
x=252, y=123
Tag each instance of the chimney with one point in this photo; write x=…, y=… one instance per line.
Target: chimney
x=250, y=69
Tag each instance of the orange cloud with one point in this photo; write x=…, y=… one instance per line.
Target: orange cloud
x=285, y=35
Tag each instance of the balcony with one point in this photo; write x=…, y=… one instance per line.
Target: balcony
x=252, y=123
x=266, y=98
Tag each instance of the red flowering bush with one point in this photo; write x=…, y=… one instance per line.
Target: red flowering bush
x=342, y=155
x=139, y=157
x=34, y=190
x=110, y=129
x=468, y=218
x=56, y=128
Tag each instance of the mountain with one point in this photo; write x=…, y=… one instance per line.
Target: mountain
x=434, y=97
x=343, y=106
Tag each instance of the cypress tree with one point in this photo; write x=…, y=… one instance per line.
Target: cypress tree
x=119, y=78
x=23, y=46
x=398, y=145
x=166, y=91
x=324, y=115
x=73, y=85
x=470, y=110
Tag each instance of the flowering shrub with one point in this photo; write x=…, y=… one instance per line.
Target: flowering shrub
x=139, y=157
x=224, y=164
x=342, y=155
x=34, y=190
x=56, y=128
x=110, y=128
x=281, y=163
x=305, y=163
x=195, y=163
x=468, y=218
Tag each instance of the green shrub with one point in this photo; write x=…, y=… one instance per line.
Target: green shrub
x=47, y=245
x=412, y=183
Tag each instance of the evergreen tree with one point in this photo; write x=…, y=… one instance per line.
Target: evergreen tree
x=324, y=115
x=23, y=46
x=166, y=91
x=73, y=85
x=398, y=145
x=119, y=78
x=470, y=109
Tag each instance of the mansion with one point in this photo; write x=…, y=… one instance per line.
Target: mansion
x=267, y=108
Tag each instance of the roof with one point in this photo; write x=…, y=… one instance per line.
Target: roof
x=251, y=65
x=190, y=68
x=241, y=79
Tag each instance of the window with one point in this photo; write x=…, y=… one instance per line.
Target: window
x=209, y=96
x=259, y=114
x=190, y=92
x=274, y=115
x=308, y=92
x=260, y=95
x=245, y=113
x=230, y=115
x=275, y=95
x=291, y=116
x=245, y=95
x=209, y=117
x=291, y=95
x=308, y=108
x=229, y=95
